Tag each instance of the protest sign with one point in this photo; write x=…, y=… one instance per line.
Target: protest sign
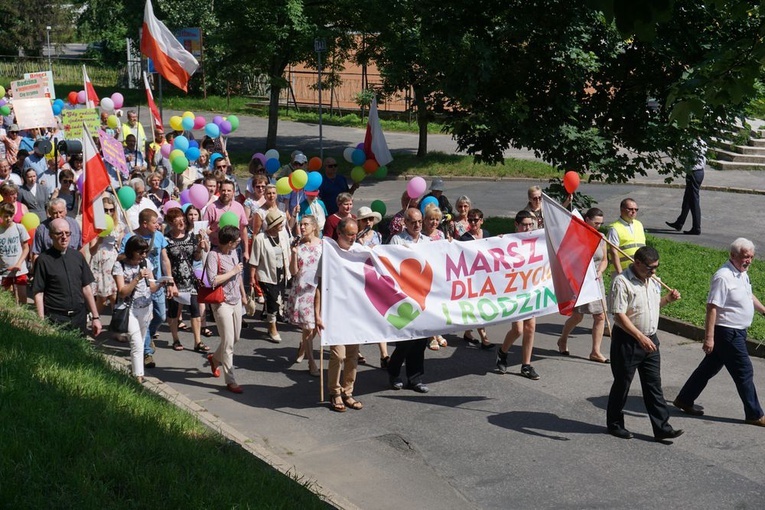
x=113, y=152
x=73, y=120
x=395, y=293
x=46, y=78
x=28, y=89
x=33, y=113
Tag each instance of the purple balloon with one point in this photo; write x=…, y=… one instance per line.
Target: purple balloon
x=225, y=127
x=165, y=150
x=217, y=120
x=80, y=182
x=360, y=146
x=185, y=197
x=3, y=102
x=261, y=157
x=170, y=205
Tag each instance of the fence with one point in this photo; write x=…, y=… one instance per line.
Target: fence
x=69, y=72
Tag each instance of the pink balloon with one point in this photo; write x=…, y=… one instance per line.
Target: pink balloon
x=81, y=97
x=170, y=205
x=198, y=195
x=225, y=127
x=416, y=187
x=217, y=120
x=199, y=122
x=165, y=150
x=185, y=197
x=118, y=100
x=3, y=102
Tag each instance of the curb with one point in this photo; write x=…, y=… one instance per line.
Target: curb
x=696, y=333
x=248, y=444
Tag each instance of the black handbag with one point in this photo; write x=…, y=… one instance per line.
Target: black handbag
x=121, y=312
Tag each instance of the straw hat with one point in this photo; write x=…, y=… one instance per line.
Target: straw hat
x=274, y=218
x=365, y=212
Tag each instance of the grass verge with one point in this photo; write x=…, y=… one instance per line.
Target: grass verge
x=81, y=435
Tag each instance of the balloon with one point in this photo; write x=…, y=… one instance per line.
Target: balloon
x=360, y=146
x=107, y=105
x=81, y=97
x=30, y=221
x=358, y=174
x=5, y=110
x=2, y=91
x=426, y=202
x=170, y=204
x=370, y=166
x=571, y=181
x=314, y=163
x=109, y=221
x=175, y=154
x=348, y=154
x=72, y=97
x=58, y=101
x=314, y=181
x=187, y=123
x=118, y=100
x=56, y=109
x=165, y=150
x=234, y=121
x=176, y=123
x=80, y=182
x=212, y=130
x=225, y=127
x=3, y=102
x=198, y=195
x=181, y=143
x=272, y=165
x=228, y=219
x=188, y=115
x=126, y=194
x=192, y=153
x=283, y=186
x=199, y=122
x=217, y=120
x=185, y=207
x=31, y=233
x=272, y=153
x=185, y=198
x=112, y=121
x=214, y=157
x=261, y=157
x=298, y=179
x=193, y=143
x=358, y=157
x=179, y=164
x=378, y=206
x=416, y=187
x=381, y=173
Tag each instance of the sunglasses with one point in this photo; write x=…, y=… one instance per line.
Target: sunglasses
x=109, y=210
x=62, y=234
x=474, y=220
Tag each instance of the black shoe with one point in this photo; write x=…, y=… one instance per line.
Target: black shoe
x=148, y=361
x=676, y=226
x=384, y=362
x=486, y=347
x=501, y=361
x=396, y=383
x=529, y=372
x=693, y=410
x=692, y=232
x=669, y=434
x=419, y=387
x=471, y=341
x=621, y=433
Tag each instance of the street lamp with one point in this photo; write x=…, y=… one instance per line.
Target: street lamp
x=50, y=65
x=320, y=46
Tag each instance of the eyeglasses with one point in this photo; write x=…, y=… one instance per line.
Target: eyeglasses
x=295, y=163
x=631, y=209
x=109, y=209
x=474, y=220
x=62, y=234
x=221, y=167
x=535, y=199
x=652, y=268
x=260, y=187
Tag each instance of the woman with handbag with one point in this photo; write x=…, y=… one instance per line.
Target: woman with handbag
x=225, y=298
x=134, y=290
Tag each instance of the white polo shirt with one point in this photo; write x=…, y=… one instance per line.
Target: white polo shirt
x=731, y=293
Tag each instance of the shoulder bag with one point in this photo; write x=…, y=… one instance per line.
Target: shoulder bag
x=210, y=295
x=121, y=312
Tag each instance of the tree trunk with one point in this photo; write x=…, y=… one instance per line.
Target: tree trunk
x=422, y=122
x=273, y=116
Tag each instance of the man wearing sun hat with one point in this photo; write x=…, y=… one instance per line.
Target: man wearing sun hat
x=437, y=192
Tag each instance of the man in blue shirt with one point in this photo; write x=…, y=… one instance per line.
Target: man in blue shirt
x=332, y=185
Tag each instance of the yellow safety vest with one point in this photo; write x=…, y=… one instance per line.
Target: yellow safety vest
x=629, y=242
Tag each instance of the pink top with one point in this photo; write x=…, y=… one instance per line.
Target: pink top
x=215, y=210
x=19, y=214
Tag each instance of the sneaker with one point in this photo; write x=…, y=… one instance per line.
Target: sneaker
x=148, y=361
x=260, y=300
x=396, y=383
x=528, y=371
x=501, y=361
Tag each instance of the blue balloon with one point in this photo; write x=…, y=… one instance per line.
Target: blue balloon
x=57, y=109
x=272, y=165
x=314, y=181
x=427, y=201
x=358, y=157
x=185, y=206
x=212, y=130
x=181, y=143
x=193, y=143
x=59, y=102
x=187, y=123
x=192, y=153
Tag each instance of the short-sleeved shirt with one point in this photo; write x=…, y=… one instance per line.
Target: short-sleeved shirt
x=181, y=254
x=12, y=241
x=219, y=263
x=329, y=190
x=38, y=162
x=61, y=276
x=639, y=300
x=155, y=251
x=731, y=293
x=42, y=236
x=403, y=238
x=142, y=294
x=214, y=212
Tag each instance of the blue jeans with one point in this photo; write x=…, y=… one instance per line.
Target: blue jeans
x=729, y=352
x=158, y=317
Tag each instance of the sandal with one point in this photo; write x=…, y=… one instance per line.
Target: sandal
x=362, y=360
x=441, y=341
x=469, y=339
x=207, y=332
x=433, y=345
x=336, y=404
x=351, y=402
x=201, y=347
x=177, y=345
x=384, y=362
x=182, y=326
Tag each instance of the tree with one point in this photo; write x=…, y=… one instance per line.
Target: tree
x=24, y=25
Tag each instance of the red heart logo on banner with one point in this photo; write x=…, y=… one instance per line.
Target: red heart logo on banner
x=414, y=279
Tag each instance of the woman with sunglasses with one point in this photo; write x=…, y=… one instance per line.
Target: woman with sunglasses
x=460, y=223
x=67, y=191
x=476, y=231
x=535, y=206
x=103, y=252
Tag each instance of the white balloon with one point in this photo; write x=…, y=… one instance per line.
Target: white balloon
x=272, y=153
x=348, y=154
x=107, y=105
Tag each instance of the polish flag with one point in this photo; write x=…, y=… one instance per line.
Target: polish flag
x=152, y=105
x=375, y=145
x=95, y=182
x=171, y=59
x=571, y=243
x=91, y=99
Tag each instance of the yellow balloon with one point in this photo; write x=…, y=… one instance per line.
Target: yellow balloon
x=30, y=220
x=189, y=115
x=176, y=123
x=2, y=91
x=174, y=154
x=109, y=226
x=112, y=121
x=283, y=186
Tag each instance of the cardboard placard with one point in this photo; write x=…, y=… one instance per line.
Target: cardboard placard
x=113, y=152
x=28, y=89
x=33, y=113
x=46, y=77
x=73, y=119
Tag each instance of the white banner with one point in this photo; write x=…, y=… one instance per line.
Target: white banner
x=393, y=293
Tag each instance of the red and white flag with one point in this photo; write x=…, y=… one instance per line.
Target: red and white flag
x=152, y=105
x=91, y=99
x=95, y=182
x=171, y=59
x=571, y=243
x=375, y=145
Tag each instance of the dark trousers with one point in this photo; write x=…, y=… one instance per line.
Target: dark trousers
x=691, y=201
x=729, y=352
x=626, y=357
x=413, y=353
x=77, y=320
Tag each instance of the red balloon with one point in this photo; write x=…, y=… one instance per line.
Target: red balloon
x=72, y=97
x=571, y=181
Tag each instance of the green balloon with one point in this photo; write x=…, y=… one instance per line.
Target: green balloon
x=381, y=172
x=358, y=174
x=126, y=195
x=179, y=164
x=378, y=206
x=5, y=109
x=234, y=120
x=228, y=219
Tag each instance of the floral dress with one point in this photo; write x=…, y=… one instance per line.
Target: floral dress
x=103, y=261
x=300, y=304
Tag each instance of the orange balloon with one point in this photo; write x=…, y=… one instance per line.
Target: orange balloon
x=314, y=163
x=370, y=166
x=571, y=181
